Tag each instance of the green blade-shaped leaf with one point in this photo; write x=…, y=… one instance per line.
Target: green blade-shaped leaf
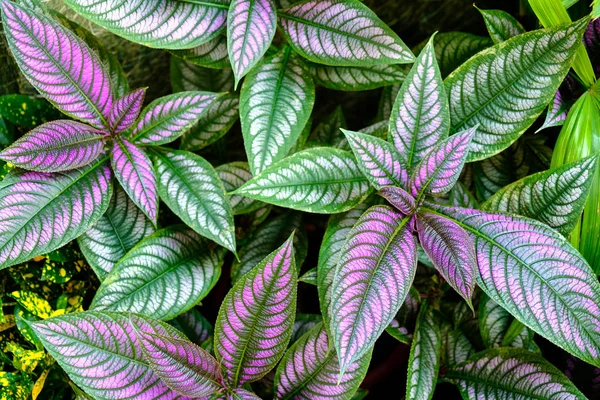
x=424, y=361
x=319, y=180
x=275, y=103
x=352, y=79
x=511, y=374
x=163, y=276
x=420, y=117
x=163, y=24
x=341, y=32
x=40, y=212
x=191, y=188
x=121, y=227
x=556, y=197
x=501, y=25
x=211, y=54
x=525, y=71
x=255, y=321
x=234, y=175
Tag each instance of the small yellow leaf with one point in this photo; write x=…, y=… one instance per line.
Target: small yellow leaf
x=39, y=385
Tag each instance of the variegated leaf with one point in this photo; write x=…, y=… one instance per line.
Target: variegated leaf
x=460, y=196
x=518, y=259
x=99, y=351
x=309, y=277
x=374, y=273
x=440, y=169
x=251, y=26
x=191, y=188
x=501, y=25
x=121, y=227
x=163, y=24
x=328, y=131
x=40, y=212
x=134, y=172
x=319, y=180
x=183, y=366
x=338, y=227
x=59, y=65
x=186, y=77
x=379, y=161
x=255, y=321
x=511, y=374
x=309, y=370
x=420, y=117
x=451, y=250
x=302, y=324
x=356, y=78
x=163, y=276
x=456, y=347
x=234, y=175
x=400, y=199
x=275, y=103
x=556, y=114
x=556, y=197
x=424, y=362
x=489, y=89
x=211, y=54
x=167, y=118
x=494, y=323
x=56, y=146
x=193, y=325
x=342, y=33
x=125, y=110
x=406, y=318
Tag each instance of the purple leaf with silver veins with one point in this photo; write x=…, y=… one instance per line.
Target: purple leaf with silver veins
x=399, y=198
x=125, y=110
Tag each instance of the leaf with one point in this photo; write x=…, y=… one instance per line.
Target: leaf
x=424, y=362
x=26, y=111
x=505, y=373
x=501, y=25
x=234, y=175
x=460, y=196
x=186, y=76
x=213, y=124
x=302, y=324
x=556, y=114
x=456, y=347
x=309, y=277
x=276, y=100
x=525, y=71
x=40, y=212
x=342, y=33
x=164, y=275
x=134, y=172
x=251, y=26
x=193, y=325
x=399, y=198
x=168, y=117
x=309, y=370
x=121, y=227
x=406, y=318
x=356, y=78
x=555, y=197
x=494, y=323
x=210, y=54
x=338, y=227
x=378, y=160
x=374, y=273
x=59, y=65
x=191, y=188
x=56, y=146
x=99, y=352
x=451, y=250
x=328, y=132
x=125, y=110
x=162, y=24
x=440, y=169
x=319, y=180
x=255, y=320
x=420, y=118
x=518, y=259
x=184, y=367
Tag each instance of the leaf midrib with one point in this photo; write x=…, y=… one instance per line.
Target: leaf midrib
x=67, y=146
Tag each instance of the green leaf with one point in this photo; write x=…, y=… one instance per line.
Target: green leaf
x=494, y=323
x=456, y=347
x=192, y=189
x=556, y=197
x=356, y=78
x=501, y=25
x=504, y=89
x=276, y=100
x=26, y=111
x=185, y=76
x=211, y=54
x=319, y=180
x=163, y=276
x=511, y=373
x=234, y=175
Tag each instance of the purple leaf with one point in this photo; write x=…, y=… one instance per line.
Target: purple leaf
x=183, y=366
x=255, y=321
x=125, y=110
x=59, y=65
x=557, y=112
x=135, y=173
x=451, y=250
x=40, y=212
x=168, y=117
x=309, y=370
x=439, y=170
x=399, y=198
x=373, y=276
x=56, y=146
x=378, y=160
